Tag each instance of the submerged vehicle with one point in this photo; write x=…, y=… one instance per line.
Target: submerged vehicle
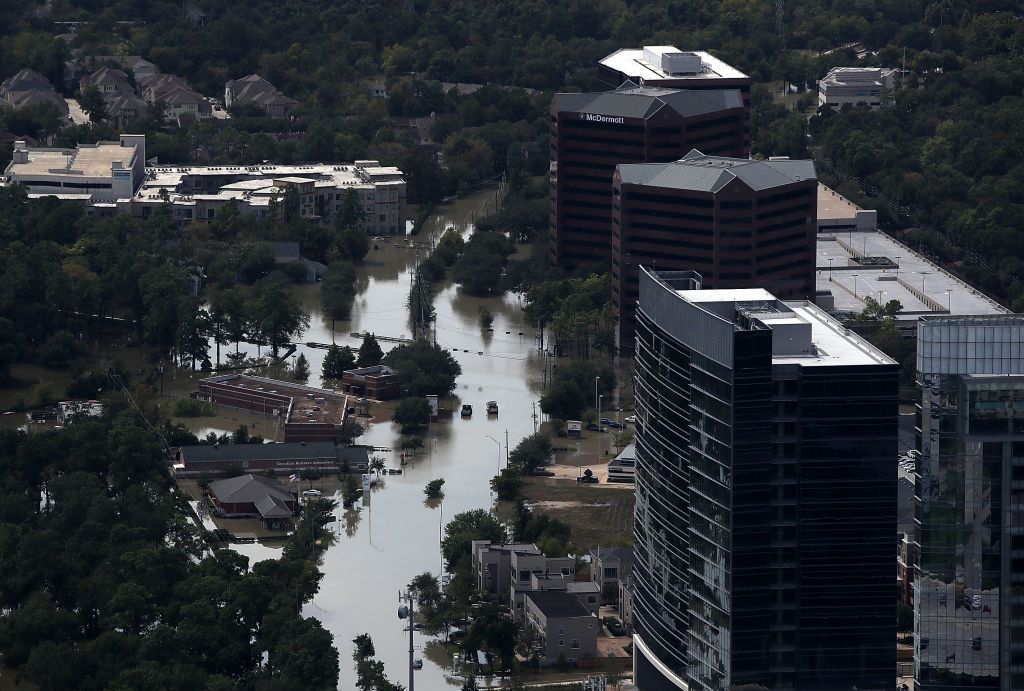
x=492, y=407
x=467, y=410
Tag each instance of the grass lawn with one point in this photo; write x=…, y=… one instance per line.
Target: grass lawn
x=597, y=514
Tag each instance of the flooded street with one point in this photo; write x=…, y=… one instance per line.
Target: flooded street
x=382, y=547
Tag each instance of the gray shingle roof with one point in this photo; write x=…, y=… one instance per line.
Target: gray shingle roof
x=631, y=101
x=273, y=507
x=558, y=603
x=701, y=173
x=582, y=587
x=246, y=489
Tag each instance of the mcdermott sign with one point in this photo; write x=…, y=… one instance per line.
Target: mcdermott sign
x=593, y=117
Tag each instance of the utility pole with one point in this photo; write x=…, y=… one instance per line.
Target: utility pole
x=506, y=448
x=408, y=612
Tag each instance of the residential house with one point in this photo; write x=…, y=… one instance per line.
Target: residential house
x=124, y=107
x=29, y=88
x=608, y=565
x=106, y=80
x=257, y=91
x=248, y=496
x=178, y=97
x=289, y=253
x=562, y=624
x=587, y=592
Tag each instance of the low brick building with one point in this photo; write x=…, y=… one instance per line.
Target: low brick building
x=310, y=414
x=248, y=496
x=379, y=382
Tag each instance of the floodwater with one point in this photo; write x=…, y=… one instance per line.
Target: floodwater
x=382, y=547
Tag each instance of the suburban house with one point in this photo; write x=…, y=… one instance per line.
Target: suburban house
x=178, y=97
x=248, y=496
x=289, y=253
x=106, y=80
x=125, y=107
x=563, y=625
x=321, y=456
x=310, y=414
x=256, y=91
x=29, y=88
x=379, y=382
x=608, y=565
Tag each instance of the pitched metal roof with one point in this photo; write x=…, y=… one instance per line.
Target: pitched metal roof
x=701, y=173
x=632, y=101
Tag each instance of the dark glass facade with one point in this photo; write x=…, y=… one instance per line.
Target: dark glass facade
x=766, y=508
x=969, y=579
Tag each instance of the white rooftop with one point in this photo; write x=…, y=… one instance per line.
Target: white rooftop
x=921, y=286
x=86, y=160
x=802, y=333
x=636, y=62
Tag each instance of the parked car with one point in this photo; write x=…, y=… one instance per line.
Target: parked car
x=607, y=421
x=492, y=407
x=312, y=493
x=631, y=419
x=467, y=410
x=417, y=664
x=616, y=425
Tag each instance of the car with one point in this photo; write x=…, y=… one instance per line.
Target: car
x=417, y=664
x=631, y=419
x=976, y=601
x=467, y=410
x=312, y=493
x=616, y=425
x=607, y=421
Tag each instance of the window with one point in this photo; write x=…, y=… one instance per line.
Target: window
x=524, y=575
x=611, y=572
x=574, y=644
x=561, y=630
x=591, y=599
x=561, y=644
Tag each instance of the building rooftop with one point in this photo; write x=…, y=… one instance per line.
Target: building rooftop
x=308, y=403
x=227, y=453
x=701, y=173
x=620, y=553
x=93, y=160
x=628, y=453
x=652, y=63
x=246, y=489
x=855, y=265
x=632, y=101
x=802, y=333
x=858, y=75
x=578, y=587
x=558, y=604
x=833, y=206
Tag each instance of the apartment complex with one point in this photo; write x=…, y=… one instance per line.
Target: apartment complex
x=969, y=577
x=195, y=193
x=667, y=66
x=98, y=174
x=593, y=132
x=765, y=494
x=738, y=223
x=854, y=86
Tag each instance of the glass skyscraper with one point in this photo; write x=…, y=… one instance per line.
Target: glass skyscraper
x=969, y=577
x=765, y=494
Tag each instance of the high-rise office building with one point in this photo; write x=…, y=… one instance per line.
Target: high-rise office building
x=593, y=132
x=738, y=223
x=765, y=494
x=969, y=577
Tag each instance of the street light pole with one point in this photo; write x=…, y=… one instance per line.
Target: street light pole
x=499, y=450
x=408, y=612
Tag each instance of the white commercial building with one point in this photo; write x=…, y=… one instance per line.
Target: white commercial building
x=195, y=193
x=100, y=173
x=855, y=85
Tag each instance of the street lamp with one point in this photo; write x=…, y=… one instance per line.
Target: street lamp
x=855, y=285
x=830, y=260
x=499, y=450
x=408, y=612
x=898, y=257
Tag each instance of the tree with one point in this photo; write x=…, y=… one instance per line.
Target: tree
x=412, y=414
x=91, y=101
x=337, y=361
x=350, y=429
x=466, y=527
x=337, y=290
x=564, y=400
x=193, y=331
x=301, y=371
x=423, y=368
x=532, y=452
x=370, y=353
x=480, y=267
x=410, y=442
x=276, y=313
x=377, y=464
x=508, y=483
x=433, y=489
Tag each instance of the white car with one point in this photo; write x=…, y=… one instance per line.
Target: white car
x=312, y=493
x=631, y=419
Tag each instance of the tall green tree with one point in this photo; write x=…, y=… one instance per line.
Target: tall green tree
x=276, y=313
x=370, y=353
